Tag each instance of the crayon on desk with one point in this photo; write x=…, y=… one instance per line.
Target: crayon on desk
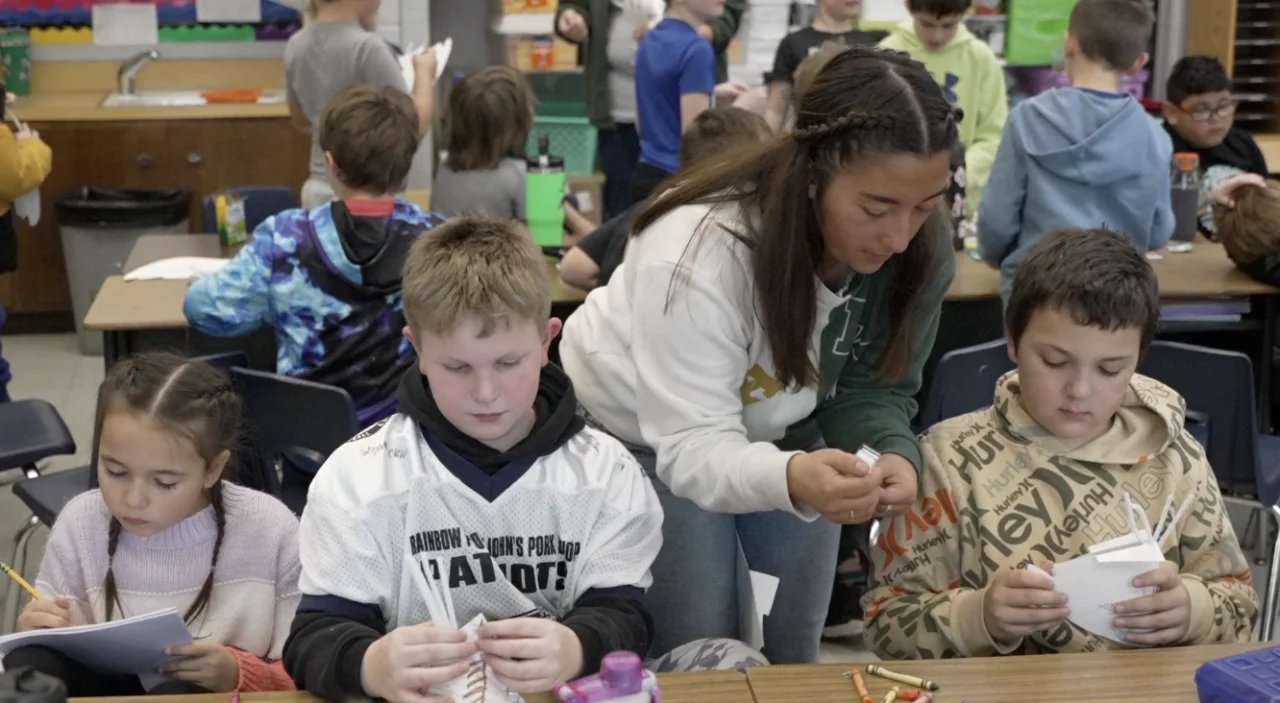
x=891, y=695
x=902, y=678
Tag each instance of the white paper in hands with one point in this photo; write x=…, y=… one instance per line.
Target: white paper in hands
x=478, y=685
x=1096, y=581
x=122, y=647
x=27, y=206
x=443, y=50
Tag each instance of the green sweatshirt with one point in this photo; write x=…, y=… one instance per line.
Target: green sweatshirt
x=969, y=72
x=593, y=56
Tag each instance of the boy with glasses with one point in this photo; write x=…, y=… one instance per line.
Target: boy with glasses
x=1199, y=113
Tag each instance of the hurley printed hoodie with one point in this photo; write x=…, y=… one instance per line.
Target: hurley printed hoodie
x=997, y=491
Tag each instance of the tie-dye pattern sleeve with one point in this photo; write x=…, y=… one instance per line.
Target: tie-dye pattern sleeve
x=917, y=608
x=237, y=299
x=1224, y=603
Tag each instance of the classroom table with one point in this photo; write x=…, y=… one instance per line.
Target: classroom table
x=972, y=313
x=1139, y=676
x=699, y=687
x=138, y=315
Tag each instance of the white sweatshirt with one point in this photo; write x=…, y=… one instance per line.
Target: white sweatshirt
x=688, y=371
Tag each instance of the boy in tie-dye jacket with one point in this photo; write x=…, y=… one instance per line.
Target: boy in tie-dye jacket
x=1041, y=475
x=328, y=280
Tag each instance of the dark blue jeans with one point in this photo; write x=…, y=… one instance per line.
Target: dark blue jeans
x=5, y=376
x=619, y=152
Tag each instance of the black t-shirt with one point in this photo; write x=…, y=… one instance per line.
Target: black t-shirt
x=1237, y=149
x=607, y=244
x=797, y=46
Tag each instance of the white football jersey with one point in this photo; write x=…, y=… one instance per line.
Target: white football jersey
x=529, y=540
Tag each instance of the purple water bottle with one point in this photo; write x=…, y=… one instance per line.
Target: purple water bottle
x=622, y=679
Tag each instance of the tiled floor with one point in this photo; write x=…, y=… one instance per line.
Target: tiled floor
x=51, y=367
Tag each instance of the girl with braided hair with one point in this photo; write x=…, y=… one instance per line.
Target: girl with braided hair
x=166, y=529
x=772, y=316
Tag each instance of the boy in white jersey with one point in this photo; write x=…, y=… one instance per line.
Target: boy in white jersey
x=486, y=482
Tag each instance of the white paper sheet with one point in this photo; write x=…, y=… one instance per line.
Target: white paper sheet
x=756, y=594
x=124, y=647
x=178, y=268
x=1095, y=582
x=27, y=206
x=443, y=50
x=228, y=10
x=125, y=24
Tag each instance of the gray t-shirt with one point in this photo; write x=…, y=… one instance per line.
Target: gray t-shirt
x=621, y=51
x=324, y=58
x=498, y=192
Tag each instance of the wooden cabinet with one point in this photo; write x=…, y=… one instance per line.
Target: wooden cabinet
x=203, y=156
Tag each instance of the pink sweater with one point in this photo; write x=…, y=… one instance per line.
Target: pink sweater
x=255, y=590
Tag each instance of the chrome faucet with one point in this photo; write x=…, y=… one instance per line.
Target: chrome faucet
x=127, y=75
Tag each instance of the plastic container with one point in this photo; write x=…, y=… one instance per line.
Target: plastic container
x=1035, y=30
x=1185, y=197
x=1248, y=677
x=544, y=193
x=99, y=228
x=622, y=679
x=575, y=140
x=15, y=61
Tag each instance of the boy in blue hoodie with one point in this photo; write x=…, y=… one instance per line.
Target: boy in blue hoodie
x=328, y=280
x=1086, y=156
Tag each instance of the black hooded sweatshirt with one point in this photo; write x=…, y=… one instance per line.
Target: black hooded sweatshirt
x=325, y=650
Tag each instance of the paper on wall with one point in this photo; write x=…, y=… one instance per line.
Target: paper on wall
x=228, y=10
x=126, y=24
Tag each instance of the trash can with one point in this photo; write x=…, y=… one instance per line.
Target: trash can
x=99, y=227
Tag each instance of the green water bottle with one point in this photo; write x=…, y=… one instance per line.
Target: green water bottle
x=544, y=195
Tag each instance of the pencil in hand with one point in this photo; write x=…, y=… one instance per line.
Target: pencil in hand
x=17, y=578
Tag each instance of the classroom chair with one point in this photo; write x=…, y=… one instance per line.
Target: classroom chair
x=260, y=202
x=964, y=381
x=296, y=424
x=1269, y=596
x=30, y=432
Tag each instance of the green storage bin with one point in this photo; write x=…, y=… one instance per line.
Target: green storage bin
x=574, y=138
x=558, y=93
x=1035, y=30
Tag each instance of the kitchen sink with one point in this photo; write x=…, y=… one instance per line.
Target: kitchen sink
x=174, y=98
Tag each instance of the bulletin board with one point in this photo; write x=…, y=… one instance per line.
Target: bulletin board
x=70, y=21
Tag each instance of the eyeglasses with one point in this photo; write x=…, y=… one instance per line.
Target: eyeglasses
x=1205, y=113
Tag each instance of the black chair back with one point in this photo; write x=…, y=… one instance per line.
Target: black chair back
x=965, y=381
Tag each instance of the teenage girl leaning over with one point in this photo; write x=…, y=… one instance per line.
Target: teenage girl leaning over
x=772, y=316
x=166, y=529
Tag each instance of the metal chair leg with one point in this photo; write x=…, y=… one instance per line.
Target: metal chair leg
x=1269, y=593
x=14, y=593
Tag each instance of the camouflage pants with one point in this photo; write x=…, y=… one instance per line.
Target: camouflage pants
x=708, y=655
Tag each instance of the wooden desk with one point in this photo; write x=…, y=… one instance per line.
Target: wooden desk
x=122, y=308
x=1149, y=676
x=699, y=687
x=1203, y=271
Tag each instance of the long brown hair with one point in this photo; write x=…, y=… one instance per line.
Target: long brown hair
x=194, y=401
x=490, y=118
x=864, y=103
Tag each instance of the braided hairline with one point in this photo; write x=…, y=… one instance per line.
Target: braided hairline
x=861, y=121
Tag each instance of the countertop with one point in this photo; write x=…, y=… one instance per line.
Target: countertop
x=87, y=107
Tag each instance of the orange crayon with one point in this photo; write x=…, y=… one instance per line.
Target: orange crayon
x=909, y=695
x=861, y=685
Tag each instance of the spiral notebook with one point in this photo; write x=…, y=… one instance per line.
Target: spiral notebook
x=124, y=647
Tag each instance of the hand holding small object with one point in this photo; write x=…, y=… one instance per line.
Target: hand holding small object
x=901, y=485
x=405, y=662
x=573, y=26
x=25, y=132
x=204, y=663
x=424, y=62
x=1022, y=602
x=45, y=614
x=837, y=484
x=529, y=655
x=1167, y=612
x=1224, y=193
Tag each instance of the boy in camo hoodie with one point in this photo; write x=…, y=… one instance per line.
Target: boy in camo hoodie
x=328, y=280
x=1041, y=476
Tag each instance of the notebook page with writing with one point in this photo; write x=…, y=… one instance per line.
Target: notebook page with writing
x=125, y=647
